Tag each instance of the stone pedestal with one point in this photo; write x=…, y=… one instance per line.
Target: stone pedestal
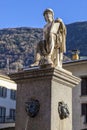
x=48, y=86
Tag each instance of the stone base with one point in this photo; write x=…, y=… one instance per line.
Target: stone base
x=49, y=86
x=45, y=66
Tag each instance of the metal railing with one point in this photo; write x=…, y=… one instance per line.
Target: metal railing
x=7, y=119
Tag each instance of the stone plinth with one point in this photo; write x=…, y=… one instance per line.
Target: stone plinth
x=48, y=86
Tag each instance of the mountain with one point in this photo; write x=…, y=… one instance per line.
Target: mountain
x=17, y=45
x=77, y=37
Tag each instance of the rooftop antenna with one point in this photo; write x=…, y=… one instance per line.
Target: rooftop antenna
x=8, y=65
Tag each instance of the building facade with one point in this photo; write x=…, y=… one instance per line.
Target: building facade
x=79, y=100
x=7, y=102
x=79, y=93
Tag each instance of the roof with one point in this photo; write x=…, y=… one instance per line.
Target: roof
x=75, y=61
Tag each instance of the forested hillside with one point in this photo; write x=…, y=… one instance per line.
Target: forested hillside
x=77, y=37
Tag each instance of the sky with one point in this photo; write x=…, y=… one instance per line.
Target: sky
x=29, y=13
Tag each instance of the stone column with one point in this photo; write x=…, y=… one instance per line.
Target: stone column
x=49, y=86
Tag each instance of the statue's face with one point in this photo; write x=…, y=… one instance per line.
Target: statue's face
x=48, y=17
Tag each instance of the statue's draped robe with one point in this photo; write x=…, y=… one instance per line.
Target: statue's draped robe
x=59, y=37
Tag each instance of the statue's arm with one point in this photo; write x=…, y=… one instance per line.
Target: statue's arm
x=44, y=33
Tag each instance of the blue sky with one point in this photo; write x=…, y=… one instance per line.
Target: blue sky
x=29, y=13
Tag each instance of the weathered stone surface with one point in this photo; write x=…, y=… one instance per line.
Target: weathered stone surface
x=48, y=86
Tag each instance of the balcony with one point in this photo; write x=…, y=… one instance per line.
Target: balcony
x=7, y=119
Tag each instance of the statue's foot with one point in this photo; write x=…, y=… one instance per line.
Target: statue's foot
x=34, y=64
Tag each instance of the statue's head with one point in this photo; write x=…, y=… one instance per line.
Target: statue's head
x=48, y=14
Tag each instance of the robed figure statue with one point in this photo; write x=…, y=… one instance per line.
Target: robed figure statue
x=50, y=50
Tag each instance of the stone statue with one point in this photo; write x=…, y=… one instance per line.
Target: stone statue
x=50, y=50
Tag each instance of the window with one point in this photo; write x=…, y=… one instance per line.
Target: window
x=12, y=114
x=84, y=112
x=3, y=91
x=13, y=94
x=2, y=114
x=84, y=108
x=84, y=129
x=84, y=86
